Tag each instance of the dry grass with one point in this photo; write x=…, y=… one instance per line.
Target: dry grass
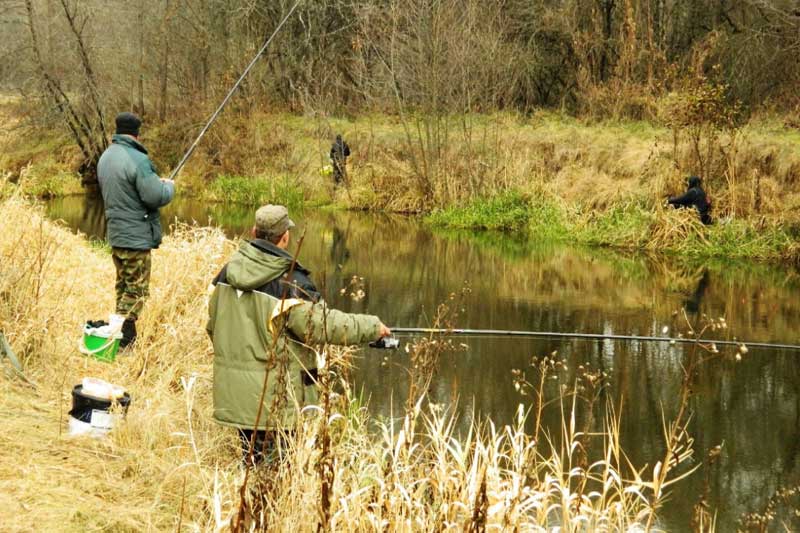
x=169, y=467
x=135, y=481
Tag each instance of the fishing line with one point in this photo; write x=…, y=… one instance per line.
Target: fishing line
x=230, y=93
x=591, y=336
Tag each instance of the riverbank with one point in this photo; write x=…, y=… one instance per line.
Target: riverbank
x=545, y=175
x=170, y=467
x=628, y=226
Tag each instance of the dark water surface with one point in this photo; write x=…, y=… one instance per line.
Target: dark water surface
x=751, y=406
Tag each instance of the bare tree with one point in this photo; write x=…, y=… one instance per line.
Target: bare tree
x=432, y=61
x=84, y=122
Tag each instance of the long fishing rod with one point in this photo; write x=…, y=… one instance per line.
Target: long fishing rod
x=255, y=59
x=563, y=335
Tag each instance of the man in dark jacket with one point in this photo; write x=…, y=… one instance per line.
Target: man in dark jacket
x=695, y=197
x=132, y=195
x=339, y=154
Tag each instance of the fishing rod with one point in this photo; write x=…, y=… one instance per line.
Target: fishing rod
x=213, y=118
x=591, y=336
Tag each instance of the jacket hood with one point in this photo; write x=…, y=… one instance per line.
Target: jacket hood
x=694, y=181
x=251, y=268
x=270, y=249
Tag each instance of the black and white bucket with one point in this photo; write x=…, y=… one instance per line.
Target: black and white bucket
x=93, y=415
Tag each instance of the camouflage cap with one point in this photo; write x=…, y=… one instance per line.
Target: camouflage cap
x=273, y=220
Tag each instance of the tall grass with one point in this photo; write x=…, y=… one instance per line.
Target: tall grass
x=169, y=466
x=424, y=476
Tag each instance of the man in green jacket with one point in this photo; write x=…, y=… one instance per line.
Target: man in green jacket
x=259, y=334
x=132, y=194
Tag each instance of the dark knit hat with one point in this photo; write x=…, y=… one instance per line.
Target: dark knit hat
x=128, y=124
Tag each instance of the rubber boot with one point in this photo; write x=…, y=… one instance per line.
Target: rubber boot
x=128, y=332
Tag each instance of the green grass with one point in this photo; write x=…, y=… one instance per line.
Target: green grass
x=631, y=226
x=549, y=220
x=256, y=191
x=48, y=179
x=738, y=239
x=622, y=226
x=507, y=212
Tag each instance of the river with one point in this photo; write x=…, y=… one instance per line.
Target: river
x=751, y=407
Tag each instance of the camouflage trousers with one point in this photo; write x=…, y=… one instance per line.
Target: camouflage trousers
x=133, y=280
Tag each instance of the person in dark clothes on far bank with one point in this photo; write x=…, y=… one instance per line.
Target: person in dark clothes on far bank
x=132, y=195
x=340, y=151
x=695, y=197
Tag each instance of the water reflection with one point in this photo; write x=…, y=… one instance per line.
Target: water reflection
x=752, y=406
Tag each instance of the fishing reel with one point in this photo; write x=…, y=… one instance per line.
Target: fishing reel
x=386, y=343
